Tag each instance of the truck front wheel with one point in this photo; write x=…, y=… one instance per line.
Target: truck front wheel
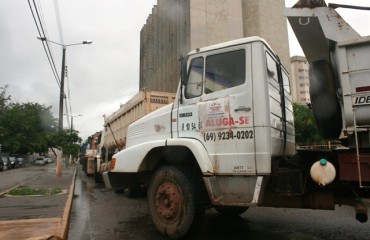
x=175, y=202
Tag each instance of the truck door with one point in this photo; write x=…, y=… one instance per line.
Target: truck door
x=217, y=108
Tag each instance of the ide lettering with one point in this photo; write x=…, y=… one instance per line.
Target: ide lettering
x=362, y=100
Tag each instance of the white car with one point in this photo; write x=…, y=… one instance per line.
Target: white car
x=40, y=161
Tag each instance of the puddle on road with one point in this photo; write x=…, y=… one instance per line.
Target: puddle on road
x=83, y=219
x=215, y=227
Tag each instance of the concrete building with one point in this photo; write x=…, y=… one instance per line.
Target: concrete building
x=299, y=79
x=177, y=26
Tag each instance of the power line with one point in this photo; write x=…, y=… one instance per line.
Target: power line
x=44, y=28
x=41, y=19
x=42, y=33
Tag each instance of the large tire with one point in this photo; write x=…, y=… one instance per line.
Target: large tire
x=230, y=211
x=175, y=202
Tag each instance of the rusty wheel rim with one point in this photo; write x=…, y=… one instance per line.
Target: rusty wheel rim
x=168, y=202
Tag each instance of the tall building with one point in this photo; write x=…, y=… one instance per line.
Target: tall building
x=177, y=26
x=299, y=79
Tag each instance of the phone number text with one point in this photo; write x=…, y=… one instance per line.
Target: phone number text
x=228, y=135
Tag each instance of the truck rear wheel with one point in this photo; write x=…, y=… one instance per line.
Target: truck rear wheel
x=175, y=202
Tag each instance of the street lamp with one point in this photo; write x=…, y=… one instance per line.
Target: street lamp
x=61, y=96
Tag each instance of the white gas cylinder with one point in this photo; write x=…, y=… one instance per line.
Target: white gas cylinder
x=323, y=172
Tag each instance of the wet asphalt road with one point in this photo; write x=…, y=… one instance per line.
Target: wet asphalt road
x=98, y=213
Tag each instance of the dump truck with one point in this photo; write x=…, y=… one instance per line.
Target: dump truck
x=88, y=161
x=228, y=141
x=113, y=135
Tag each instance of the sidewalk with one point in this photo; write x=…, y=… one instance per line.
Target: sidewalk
x=39, y=217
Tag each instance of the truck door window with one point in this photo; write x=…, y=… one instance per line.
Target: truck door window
x=194, y=84
x=224, y=71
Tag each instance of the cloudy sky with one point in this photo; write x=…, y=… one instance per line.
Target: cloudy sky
x=101, y=75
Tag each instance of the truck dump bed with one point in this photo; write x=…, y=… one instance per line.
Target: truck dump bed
x=138, y=106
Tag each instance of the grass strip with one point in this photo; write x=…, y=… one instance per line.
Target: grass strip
x=25, y=191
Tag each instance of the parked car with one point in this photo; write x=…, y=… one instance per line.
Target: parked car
x=40, y=161
x=14, y=162
x=20, y=160
x=49, y=160
x=7, y=163
x=1, y=165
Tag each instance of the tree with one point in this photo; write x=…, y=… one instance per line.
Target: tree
x=306, y=132
x=4, y=99
x=31, y=128
x=69, y=141
x=27, y=128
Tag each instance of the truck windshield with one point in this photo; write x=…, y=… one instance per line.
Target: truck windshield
x=225, y=70
x=222, y=71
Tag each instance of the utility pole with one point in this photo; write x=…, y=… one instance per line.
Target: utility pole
x=61, y=98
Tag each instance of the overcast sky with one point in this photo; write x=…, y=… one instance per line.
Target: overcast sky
x=101, y=75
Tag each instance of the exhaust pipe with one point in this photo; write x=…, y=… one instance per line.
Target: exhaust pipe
x=361, y=212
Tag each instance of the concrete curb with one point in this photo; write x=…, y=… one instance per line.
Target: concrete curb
x=68, y=208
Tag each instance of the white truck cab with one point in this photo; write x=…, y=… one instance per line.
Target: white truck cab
x=232, y=115
x=228, y=139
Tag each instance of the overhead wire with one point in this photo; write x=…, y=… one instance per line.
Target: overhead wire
x=45, y=30
x=39, y=20
x=45, y=35
x=42, y=34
